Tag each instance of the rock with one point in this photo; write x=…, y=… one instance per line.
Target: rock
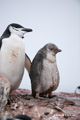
x=57, y=108
x=4, y=92
x=30, y=105
x=14, y=106
x=4, y=116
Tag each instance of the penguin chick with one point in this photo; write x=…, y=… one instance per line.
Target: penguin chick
x=44, y=73
x=77, y=91
x=12, y=54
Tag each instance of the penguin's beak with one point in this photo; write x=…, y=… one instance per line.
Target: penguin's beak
x=27, y=30
x=58, y=50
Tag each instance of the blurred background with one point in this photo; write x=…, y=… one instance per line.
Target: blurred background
x=52, y=21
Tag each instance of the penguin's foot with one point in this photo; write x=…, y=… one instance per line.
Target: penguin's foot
x=43, y=95
x=51, y=95
x=38, y=96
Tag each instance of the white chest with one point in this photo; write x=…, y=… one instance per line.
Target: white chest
x=12, y=59
x=50, y=69
x=12, y=50
x=50, y=75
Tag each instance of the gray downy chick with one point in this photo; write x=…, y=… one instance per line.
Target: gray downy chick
x=44, y=73
x=77, y=91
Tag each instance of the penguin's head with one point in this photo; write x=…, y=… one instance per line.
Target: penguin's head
x=18, y=29
x=52, y=49
x=15, y=29
x=49, y=52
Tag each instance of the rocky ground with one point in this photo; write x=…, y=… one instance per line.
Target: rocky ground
x=64, y=106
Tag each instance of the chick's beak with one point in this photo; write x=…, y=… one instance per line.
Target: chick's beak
x=58, y=50
x=27, y=30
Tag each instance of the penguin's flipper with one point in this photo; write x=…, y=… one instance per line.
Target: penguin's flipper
x=35, y=71
x=0, y=43
x=27, y=63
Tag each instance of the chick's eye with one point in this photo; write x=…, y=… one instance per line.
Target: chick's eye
x=51, y=48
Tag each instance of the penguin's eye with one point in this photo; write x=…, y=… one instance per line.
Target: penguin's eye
x=15, y=29
x=51, y=48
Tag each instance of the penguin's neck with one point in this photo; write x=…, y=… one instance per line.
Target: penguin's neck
x=14, y=41
x=51, y=58
x=15, y=37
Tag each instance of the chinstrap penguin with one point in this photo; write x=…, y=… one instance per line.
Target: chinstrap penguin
x=13, y=59
x=44, y=73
